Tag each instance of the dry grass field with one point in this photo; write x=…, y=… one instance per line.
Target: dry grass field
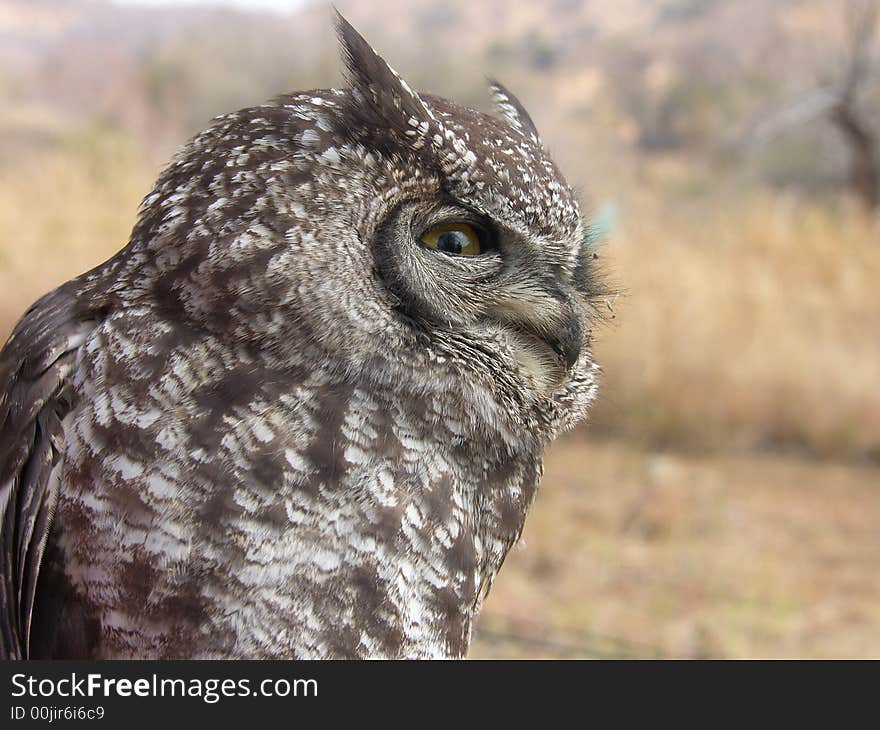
x=745, y=324
x=633, y=553
x=62, y=212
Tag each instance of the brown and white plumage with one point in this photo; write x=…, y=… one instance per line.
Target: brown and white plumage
x=278, y=425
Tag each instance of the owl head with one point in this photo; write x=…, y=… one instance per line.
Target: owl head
x=393, y=236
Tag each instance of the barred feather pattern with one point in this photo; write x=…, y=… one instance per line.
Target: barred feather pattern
x=275, y=425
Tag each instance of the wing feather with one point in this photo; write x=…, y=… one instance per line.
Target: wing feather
x=35, y=394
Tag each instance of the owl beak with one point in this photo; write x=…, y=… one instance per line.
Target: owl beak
x=550, y=322
x=567, y=341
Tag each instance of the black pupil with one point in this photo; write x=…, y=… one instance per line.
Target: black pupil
x=452, y=241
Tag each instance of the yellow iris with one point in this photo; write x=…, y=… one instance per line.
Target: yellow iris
x=454, y=238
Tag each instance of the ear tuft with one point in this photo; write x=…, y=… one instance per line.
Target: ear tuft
x=383, y=104
x=513, y=111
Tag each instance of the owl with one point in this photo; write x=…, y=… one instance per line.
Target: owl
x=302, y=413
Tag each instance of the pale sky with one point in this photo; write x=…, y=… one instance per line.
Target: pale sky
x=282, y=6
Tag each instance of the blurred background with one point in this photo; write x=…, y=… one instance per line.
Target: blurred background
x=724, y=501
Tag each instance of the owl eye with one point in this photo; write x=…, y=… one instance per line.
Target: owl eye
x=458, y=239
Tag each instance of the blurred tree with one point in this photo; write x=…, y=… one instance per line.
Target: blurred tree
x=860, y=67
x=842, y=100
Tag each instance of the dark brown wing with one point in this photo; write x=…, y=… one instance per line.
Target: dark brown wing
x=35, y=395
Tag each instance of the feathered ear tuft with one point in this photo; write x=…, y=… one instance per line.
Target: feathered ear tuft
x=385, y=111
x=513, y=111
